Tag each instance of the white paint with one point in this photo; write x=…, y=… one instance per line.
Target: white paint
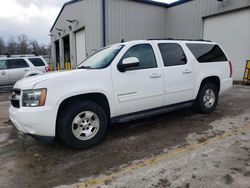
x=126, y=92
x=231, y=31
x=179, y=81
x=80, y=46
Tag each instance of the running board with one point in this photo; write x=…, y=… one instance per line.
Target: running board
x=151, y=112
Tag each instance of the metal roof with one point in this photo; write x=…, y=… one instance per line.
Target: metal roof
x=65, y=4
x=141, y=1
x=167, y=5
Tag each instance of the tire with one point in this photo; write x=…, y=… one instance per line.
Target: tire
x=82, y=124
x=207, y=99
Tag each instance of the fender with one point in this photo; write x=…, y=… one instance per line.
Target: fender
x=200, y=79
x=86, y=92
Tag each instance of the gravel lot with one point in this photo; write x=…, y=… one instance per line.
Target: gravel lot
x=178, y=149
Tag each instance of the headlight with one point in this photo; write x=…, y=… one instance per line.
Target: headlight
x=34, y=98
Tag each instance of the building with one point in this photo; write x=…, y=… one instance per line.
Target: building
x=84, y=26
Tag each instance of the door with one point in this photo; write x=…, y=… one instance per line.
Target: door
x=138, y=88
x=4, y=73
x=66, y=49
x=231, y=31
x=17, y=69
x=178, y=74
x=80, y=46
x=57, y=51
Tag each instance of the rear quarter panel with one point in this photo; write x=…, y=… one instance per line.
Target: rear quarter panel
x=205, y=70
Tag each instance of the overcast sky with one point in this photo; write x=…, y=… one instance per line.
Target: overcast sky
x=31, y=17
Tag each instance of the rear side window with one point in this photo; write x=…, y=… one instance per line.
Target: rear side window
x=17, y=63
x=172, y=54
x=144, y=53
x=206, y=53
x=3, y=65
x=37, y=62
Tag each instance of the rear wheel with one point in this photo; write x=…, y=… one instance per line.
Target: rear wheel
x=207, y=99
x=82, y=124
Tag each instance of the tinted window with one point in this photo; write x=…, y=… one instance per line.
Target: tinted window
x=207, y=52
x=3, y=65
x=144, y=53
x=172, y=54
x=17, y=63
x=37, y=62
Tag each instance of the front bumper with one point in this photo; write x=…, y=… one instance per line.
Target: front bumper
x=37, y=121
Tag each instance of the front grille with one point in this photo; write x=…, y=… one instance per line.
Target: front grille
x=15, y=103
x=17, y=91
x=15, y=98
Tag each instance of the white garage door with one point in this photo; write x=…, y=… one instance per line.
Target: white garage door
x=232, y=32
x=80, y=46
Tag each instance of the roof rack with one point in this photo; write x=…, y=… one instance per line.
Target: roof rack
x=183, y=39
x=20, y=55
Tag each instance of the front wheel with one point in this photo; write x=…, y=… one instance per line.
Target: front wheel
x=207, y=99
x=82, y=124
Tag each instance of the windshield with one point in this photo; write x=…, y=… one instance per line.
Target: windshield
x=102, y=58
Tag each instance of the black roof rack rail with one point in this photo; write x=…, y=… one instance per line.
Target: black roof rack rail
x=20, y=55
x=182, y=39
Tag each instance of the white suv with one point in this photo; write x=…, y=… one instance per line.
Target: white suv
x=14, y=68
x=120, y=83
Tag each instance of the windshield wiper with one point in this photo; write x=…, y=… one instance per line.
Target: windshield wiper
x=85, y=67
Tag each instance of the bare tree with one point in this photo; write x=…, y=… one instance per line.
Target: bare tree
x=39, y=49
x=23, y=45
x=42, y=49
x=34, y=46
x=11, y=46
x=2, y=46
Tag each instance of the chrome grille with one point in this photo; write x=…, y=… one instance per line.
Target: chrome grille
x=15, y=98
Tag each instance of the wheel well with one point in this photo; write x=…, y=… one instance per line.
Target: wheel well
x=213, y=80
x=97, y=98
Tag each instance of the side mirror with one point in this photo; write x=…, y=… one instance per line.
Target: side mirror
x=128, y=63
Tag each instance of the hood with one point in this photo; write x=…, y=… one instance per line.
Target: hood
x=30, y=82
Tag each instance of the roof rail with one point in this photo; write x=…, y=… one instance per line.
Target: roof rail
x=22, y=55
x=183, y=39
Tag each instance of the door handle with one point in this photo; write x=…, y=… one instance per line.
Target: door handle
x=187, y=71
x=26, y=70
x=3, y=73
x=155, y=75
